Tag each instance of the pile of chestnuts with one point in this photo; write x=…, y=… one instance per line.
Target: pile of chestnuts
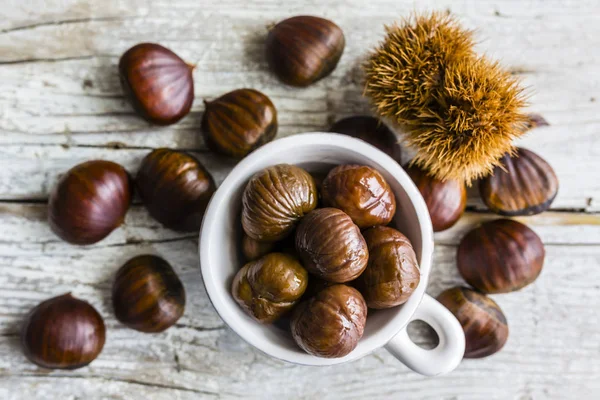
x=342, y=259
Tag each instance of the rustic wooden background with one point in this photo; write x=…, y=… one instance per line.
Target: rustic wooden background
x=61, y=104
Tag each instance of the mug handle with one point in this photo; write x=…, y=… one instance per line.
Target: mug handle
x=441, y=359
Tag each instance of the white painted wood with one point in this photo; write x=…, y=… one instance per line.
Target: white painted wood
x=61, y=103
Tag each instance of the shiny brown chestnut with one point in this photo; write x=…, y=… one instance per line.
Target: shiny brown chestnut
x=269, y=287
x=89, y=202
x=303, y=49
x=331, y=246
x=392, y=273
x=372, y=131
x=175, y=188
x=362, y=193
x=500, y=256
x=331, y=323
x=482, y=320
x=253, y=249
x=446, y=200
x=147, y=294
x=275, y=199
x=158, y=84
x=523, y=185
x=239, y=122
x=63, y=333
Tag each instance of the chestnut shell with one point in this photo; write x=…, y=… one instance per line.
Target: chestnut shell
x=392, y=273
x=239, y=122
x=331, y=246
x=147, y=294
x=331, y=323
x=303, y=49
x=275, y=199
x=253, y=249
x=445, y=200
x=158, y=84
x=362, y=193
x=63, y=333
x=175, y=188
x=482, y=320
x=500, y=256
x=269, y=287
x=522, y=185
x=89, y=202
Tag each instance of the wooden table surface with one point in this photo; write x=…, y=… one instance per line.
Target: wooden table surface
x=61, y=104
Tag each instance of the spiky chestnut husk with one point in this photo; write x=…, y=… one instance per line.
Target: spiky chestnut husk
x=460, y=112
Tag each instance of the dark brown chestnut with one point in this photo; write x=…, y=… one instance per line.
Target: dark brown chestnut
x=500, y=256
x=63, y=333
x=238, y=122
x=331, y=246
x=362, y=193
x=89, y=202
x=446, y=200
x=372, y=131
x=175, y=188
x=269, y=287
x=523, y=185
x=275, y=199
x=147, y=294
x=157, y=83
x=253, y=249
x=482, y=320
x=303, y=49
x=392, y=273
x=331, y=323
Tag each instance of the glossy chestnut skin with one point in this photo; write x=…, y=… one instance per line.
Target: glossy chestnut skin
x=372, y=131
x=239, y=122
x=362, y=193
x=500, y=256
x=331, y=323
x=269, y=287
x=175, y=188
x=331, y=246
x=253, y=249
x=275, y=199
x=392, y=273
x=526, y=186
x=63, y=333
x=157, y=83
x=482, y=320
x=147, y=294
x=89, y=202
x=446, y=200
x=303, y=49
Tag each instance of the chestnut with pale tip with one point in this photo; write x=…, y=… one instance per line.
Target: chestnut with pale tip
x=147, y=294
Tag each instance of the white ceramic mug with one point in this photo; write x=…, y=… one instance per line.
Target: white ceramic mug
x=220, y=258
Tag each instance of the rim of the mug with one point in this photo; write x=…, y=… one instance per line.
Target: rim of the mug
x=237, y=177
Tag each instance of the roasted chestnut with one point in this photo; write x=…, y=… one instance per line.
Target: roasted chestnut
x=523, y=185
x=89, y=202
x=147, y=294
x=331, y=323
x=270, y=286
x=63, y=333
x=372, y=131
x=175, y=188
x=500, y=256
x=253, y=249
x=481, y=318
x=392, y=273
x=362, y=193
x=275, y=199
x=239, y=122
x=331, y=246
x=157, y=83
x=446, y=200
x=301, y=50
